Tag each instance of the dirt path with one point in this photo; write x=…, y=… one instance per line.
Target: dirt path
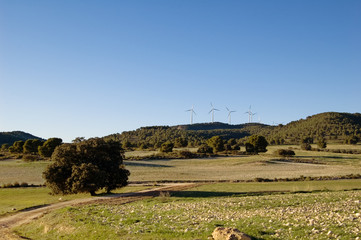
x=7, y=223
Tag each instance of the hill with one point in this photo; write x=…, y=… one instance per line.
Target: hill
x=11, y=137
x=331, y=125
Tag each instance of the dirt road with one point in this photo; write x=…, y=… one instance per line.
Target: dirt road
x=7, y=223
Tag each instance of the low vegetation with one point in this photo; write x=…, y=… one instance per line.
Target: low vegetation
x=318, y=215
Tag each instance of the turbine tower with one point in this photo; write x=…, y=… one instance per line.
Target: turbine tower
x=229, y=115
x=192, y=111
x=250, y=114
x=212, y=111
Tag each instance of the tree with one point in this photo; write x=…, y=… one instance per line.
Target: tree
x=306, y=143
x=78, y=139
x=204, y=148
x=352, y=140
x=49, y=146
x=256, y=144
x=167, y=147
x=17, y=147
x=31, y=146
x=180, y=142
x=321, y=143
x=86, y=166
x=5, y=147
x=216, y=143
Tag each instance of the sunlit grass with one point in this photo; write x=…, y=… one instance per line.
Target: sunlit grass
x=321, y=215
x=15, y=199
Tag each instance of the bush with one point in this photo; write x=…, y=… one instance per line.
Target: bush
x=285, y=153
x=306, y=146
x=167, y=147
x=205, y=149
x=186, y=154
x=30, y=158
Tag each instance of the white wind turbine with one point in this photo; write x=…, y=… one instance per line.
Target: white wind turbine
x=192, y=111
x=250, y=114
x=212, y=111
x=229, y=115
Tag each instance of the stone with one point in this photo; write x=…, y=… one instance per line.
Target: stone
x=221, y=233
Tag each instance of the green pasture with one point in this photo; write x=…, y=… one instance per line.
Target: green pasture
x=317, y=215
x=263, y=188
x=13, y=200
x=245, y=167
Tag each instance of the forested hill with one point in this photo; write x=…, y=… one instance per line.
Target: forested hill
x=331, y=125
x=11, y=137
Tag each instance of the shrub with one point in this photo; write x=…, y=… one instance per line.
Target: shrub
x=186, y=154
x=306, y=146
x=285, y=153
x=167, y=147
x=30, y=158
x=205, y=149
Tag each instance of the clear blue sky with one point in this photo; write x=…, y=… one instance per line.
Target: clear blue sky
x=91, y=68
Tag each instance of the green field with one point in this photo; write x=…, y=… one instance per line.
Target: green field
x=318, y=215
x=13, y=200
x=216, y=168
x=264, y=210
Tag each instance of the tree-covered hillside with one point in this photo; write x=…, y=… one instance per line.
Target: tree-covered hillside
x=329, y=125
x=11, y=137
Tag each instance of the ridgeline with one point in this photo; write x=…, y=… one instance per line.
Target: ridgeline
x=11, y=137
x=330, y=125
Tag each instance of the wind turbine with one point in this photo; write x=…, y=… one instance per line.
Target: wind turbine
x=229, y=115
x=192, y=111
x=250, y=114
x=212, y=111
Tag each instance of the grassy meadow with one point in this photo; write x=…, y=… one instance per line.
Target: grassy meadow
x=13, y=200
x=317, y=215
x=265, y=165
x=264, y=210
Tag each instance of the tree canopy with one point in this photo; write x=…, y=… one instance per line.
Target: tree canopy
x=49, y=146
x=256, y=144
x=86, y=166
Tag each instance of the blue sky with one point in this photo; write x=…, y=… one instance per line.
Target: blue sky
x=91, y=68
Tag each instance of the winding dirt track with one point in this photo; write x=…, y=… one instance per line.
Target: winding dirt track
x=7, y=223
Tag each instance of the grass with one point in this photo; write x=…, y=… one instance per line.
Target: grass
x=13, y=200
x=318, y=215
x=218, y=168
x=250, y=188
x=19, y=171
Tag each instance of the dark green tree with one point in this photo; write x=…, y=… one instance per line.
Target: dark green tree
x=167, y=147
x=180, y=142
x=256, y=144
x=321, y=143
x=216, y=143
x=5, y=147
x=306, y=143
x=86, y=166
x=31, y=146
x=49, y=146
x=79, y=139
x=17, y=147
x=352, y=140
x=204, y=148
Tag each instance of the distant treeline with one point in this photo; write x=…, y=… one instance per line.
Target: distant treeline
x=330, y=126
